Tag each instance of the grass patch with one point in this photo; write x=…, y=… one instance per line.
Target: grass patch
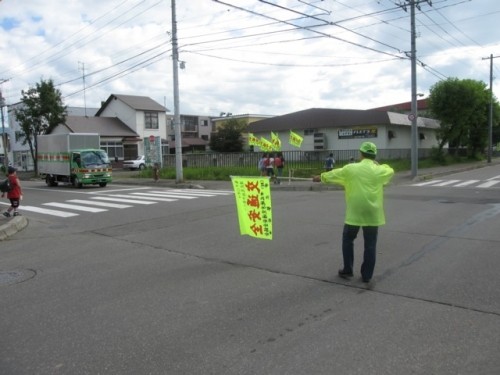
x=302, y=171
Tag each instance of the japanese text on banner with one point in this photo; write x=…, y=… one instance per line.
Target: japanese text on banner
x=295, y=139
x=253, y=202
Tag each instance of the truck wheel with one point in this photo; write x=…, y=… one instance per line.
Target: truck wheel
x=141, y=167
x=77, y=183
x=50, y=181
x=102, y=184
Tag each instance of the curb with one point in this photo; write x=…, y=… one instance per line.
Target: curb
x=12, y=226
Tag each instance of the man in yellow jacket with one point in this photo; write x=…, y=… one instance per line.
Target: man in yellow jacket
x=364, y=194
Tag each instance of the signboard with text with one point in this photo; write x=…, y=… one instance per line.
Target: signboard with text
x=152, y=150
x=352, y=133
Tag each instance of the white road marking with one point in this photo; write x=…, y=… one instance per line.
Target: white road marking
x=465, y=183
x=488, y=184
x=427, y=183
x=177, y=192
x=445, y=183
x=156, y=199
x=123, y=200
x=47, y=211
x=100, y=204
x=167, y=195
x=203, y=191
x=74, y=207
x=118, y=190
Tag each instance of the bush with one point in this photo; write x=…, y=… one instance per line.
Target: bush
x=437, y=155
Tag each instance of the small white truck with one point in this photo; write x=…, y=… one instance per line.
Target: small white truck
x=74, y=158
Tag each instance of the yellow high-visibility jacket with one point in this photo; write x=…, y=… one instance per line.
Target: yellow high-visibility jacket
x=364, y=190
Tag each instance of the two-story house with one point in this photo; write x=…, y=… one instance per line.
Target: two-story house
x=142, y=115
x=195, y=132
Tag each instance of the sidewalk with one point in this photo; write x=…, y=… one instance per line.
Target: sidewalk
x=9, y=227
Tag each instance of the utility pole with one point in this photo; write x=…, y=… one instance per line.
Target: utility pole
x=490, y=115
x=4, y=136
x=177, y=117
x=84, y=96
x=413, y=116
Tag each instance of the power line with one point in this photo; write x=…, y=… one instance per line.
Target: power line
x=308, y=29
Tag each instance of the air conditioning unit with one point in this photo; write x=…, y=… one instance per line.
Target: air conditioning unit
x=319, y=141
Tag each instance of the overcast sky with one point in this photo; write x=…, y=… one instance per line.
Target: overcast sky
x=245, y=56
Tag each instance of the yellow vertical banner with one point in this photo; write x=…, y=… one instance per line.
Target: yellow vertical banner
x=253, y=140
x=276, y=141
x=295, y=139
x=253, y=202
x=266, y=145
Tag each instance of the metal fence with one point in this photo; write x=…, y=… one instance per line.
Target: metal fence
x=293, y=159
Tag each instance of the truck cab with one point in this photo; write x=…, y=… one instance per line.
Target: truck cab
x=90, y=167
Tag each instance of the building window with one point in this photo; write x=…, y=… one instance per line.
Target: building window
x=151, y=120
x=204, y=122
x=113, y=149
x=190, y=123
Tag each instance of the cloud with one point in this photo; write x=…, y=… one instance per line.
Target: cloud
x=259, y=59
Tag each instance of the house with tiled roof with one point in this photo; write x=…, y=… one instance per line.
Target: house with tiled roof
x=113, y=132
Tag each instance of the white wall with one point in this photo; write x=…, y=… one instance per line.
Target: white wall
x=402, y=139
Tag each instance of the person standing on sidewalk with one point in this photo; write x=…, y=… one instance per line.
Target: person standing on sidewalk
x=364, y=194
x=15, y=194
x=269, y=163
x=279, y=163
x=329, y=162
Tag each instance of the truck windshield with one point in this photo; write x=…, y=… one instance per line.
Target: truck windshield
x=95, y=158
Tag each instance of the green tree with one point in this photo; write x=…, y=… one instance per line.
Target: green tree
x=42, y=109
x=228, y=137
x=462, y=108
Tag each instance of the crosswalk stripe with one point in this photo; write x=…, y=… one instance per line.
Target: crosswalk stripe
x=445, y=183
x=488, y=184
x=74, y=207
x=194, y=191
x=123, y=200
x=459, y=183
x=156, y=199
x=196, y=194
x=465, y=183
x=164, y=196
x=100, y=204
x=427, y=183
x=47, y=211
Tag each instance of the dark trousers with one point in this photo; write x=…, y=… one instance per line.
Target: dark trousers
x=370, y=241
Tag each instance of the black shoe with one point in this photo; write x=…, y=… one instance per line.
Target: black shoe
x=365, y=280
x=345, y=274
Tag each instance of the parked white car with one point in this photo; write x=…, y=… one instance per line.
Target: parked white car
x=138, y=163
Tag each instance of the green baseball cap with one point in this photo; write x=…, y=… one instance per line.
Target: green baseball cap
x=368, y=148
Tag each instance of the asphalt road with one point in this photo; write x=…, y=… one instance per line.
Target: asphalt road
x=172, y=288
